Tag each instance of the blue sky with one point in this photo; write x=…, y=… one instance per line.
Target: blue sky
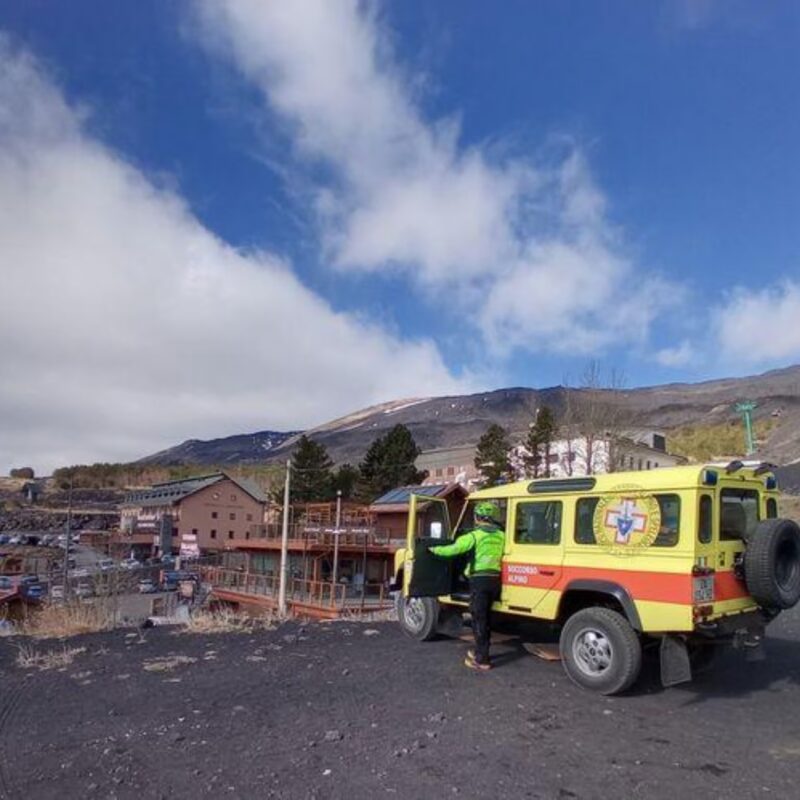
x=353, y=203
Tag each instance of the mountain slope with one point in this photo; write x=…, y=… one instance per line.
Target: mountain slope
x=247, y=448
x=451, y=421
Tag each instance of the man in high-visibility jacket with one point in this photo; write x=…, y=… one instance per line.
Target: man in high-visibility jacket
x=486, y=543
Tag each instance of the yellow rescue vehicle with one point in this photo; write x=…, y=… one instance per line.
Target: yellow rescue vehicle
x=687, y=558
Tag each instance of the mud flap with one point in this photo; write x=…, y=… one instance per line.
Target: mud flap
x=675, y=666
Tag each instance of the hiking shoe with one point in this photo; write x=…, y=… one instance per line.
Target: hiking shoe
x=470, y=662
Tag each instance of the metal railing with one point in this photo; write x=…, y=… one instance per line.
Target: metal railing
x=324, y=594
x=318, y=535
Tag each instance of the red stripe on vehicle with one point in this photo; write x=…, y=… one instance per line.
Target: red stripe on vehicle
x=659, y=587
x=728, y=587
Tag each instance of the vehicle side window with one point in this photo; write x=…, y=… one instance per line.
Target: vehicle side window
x=467, y=522
x=739, y=513
x=772, y=508
x=538, y=523
x=584, y=520
x=704, y=524
x=669, y=532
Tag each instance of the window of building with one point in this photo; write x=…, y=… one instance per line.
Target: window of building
x=439, y=472
x=630, y=460
x=538, y=522
x=232, y=515
x=213, y=533
x=640, y=463
x=648, y=463
x=704, y=527
x=194, y=531
x=249, y=517
x=233, y=497
x=230, y=534
x=451, y=471
x=739, y=513
x=214, y=515
x=247, y=534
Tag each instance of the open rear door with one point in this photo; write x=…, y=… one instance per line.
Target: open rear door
x=425, y=575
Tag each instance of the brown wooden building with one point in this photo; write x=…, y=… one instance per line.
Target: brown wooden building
x=217, y=511
x=391, y=510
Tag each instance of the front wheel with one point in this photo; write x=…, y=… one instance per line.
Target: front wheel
x=417, y=616
x=600, y=650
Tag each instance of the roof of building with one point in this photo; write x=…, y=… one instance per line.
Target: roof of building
x=172, y=492
x=659, y=479
x=397, y=499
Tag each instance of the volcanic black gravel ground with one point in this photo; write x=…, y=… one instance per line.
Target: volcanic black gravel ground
x=356, y=711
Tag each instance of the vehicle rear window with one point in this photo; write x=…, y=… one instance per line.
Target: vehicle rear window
x=668, y=535
x=704, y=526
x=739, y=513
x=538, y=523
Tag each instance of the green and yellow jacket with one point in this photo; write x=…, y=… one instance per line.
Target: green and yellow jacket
x=486, y=542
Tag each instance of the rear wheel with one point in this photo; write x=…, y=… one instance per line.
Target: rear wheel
x=417, y=616
x=600, y=650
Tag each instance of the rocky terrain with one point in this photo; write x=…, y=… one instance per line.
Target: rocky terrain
x=358, y=711
x=459, y=420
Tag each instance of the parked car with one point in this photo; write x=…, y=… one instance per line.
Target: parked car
x=147, y=586
x=7, y=583
x=4, y=537
x=57, y=592
x=78, y=572
x=15, y=540
x=129, y=563
x=106, y=564
x=84, y=589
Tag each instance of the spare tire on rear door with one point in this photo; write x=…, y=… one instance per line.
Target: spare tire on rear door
x=772, y=563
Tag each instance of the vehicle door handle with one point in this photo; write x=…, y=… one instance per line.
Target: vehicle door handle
x=548, y=572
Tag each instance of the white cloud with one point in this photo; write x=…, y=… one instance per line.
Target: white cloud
x=679, y=356
x=530, y=240
x=128, y=326
x=760, y=327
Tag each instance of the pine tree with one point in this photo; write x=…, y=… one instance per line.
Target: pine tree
x=539, y=443
x=345, y=479
x=491, y=456
x=388, y=464
x=312, y=479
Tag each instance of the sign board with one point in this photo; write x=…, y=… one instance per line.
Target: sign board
x=189, y=546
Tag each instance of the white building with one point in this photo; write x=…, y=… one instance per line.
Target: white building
x=637, y=450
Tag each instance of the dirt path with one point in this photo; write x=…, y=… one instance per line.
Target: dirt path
x=334, y=711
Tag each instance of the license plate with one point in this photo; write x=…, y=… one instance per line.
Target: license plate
x=704, y=590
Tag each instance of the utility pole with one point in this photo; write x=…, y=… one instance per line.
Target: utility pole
x=336, y=539
x=746, y=408
x=284, y=543
x=67, y=538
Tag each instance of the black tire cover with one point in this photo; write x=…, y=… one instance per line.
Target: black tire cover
x=772, y=563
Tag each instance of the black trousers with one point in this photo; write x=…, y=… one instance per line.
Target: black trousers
x=483, y=591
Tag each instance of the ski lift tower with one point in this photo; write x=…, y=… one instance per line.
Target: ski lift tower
x=746, y=408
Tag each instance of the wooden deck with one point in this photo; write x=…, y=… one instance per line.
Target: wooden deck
x=315, y=599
